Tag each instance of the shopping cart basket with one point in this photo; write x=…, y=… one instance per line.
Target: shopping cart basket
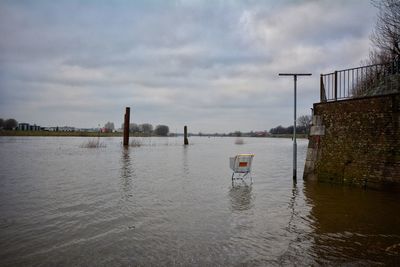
x=241, y=166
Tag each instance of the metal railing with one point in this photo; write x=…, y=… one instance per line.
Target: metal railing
x=361, y=81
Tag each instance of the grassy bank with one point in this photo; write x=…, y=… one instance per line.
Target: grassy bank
x=47, y=133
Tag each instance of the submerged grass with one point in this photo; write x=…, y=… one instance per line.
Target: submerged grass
x=149, y=142
x=135, y=143
x=93, y=143
x=239, y=141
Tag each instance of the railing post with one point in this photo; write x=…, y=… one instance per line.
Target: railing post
x=322, y=92
x=335, y=87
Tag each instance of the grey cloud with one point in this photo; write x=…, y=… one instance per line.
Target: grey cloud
x=173, y=60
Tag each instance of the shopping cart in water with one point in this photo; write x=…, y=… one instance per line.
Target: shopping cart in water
x=241, y=167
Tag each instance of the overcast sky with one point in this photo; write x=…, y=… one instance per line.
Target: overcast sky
x=212, y=65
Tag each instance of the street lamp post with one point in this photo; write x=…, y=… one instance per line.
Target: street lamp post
x=294, y=126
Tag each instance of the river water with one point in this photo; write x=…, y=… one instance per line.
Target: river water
x=164, y=204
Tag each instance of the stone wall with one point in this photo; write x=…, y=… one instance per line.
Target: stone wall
x=356, y=141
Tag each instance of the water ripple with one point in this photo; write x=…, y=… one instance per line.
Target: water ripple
x=166, y=204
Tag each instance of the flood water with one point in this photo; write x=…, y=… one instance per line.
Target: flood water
x=164, y=204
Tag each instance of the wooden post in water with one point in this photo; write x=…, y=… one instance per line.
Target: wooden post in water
x=185, y=140
x=126, y=126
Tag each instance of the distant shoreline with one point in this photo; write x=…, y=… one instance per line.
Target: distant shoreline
x=54, y=133
x=116, y=134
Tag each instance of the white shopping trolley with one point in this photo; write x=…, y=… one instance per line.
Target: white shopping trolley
x=241, y=166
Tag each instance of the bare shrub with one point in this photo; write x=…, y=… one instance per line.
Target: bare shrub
x=386, y=35
x=378, y=80
x=382, y=74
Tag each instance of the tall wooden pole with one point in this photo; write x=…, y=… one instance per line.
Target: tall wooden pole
x=126, y=126
x=185, y=140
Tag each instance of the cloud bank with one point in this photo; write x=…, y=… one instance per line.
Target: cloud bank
x=212, y=65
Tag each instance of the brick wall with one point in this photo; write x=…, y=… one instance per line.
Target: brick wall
x=360, y=144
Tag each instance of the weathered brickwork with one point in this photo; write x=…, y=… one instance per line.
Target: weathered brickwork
x=361, y=142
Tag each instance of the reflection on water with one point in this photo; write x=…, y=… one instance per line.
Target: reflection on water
x=185, y=161
x=127, y=172
x=352, y=225
x=241, y=198
x=292, y=207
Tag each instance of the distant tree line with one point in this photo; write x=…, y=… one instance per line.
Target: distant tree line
x=288, y=130
x=303, y=126
x=148, y=129
x=145, y=128
x=8, y=124
x=234, y=134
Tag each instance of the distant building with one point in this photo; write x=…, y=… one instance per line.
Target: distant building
x=34, y=127
x=27, y=127
x=66, y=129
x=23, y=126
x=49, y=129
x=89, y=130
x=262, y=134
